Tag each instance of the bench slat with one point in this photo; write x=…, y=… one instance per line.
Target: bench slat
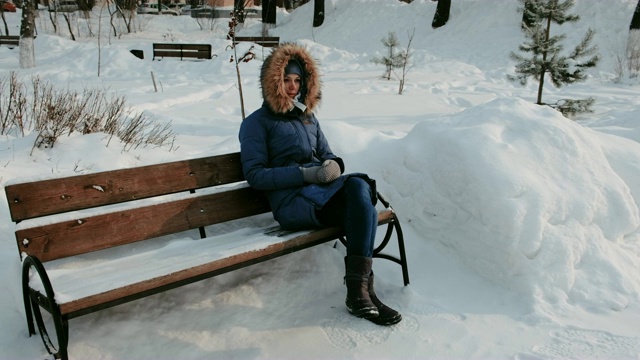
x=230, y=258
x=182, y=46
x=33, y=199
x=11, y=41
x=184, y=54
x=82, y=235
x=257, y=38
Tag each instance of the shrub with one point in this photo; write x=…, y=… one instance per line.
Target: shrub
x=52, y=112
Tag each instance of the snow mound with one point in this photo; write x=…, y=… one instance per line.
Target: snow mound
x=526, y=198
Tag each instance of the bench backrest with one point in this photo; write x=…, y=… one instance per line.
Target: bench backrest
x=265, y=41
x=75, y=232
x=198, y=51
x=9, y=40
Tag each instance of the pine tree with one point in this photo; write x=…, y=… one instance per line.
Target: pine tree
x=545, y=57
x=528, y=17
x=393, y=59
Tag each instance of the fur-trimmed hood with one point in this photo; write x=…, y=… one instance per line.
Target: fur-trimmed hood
x=272, y=79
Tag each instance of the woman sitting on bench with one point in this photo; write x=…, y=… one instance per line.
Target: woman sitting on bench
x=285, y=154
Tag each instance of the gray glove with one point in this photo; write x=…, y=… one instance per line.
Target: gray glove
x=327, y=172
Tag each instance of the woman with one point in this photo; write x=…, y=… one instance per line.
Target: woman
x=285, y=154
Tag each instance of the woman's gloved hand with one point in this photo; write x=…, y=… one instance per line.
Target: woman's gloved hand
x=327, y=172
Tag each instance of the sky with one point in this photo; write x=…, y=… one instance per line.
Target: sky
x=522, y=226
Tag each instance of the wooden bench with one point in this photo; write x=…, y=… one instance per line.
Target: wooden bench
x=122, y=235
x=264, y=41
x=182, y=51
x=10, y=40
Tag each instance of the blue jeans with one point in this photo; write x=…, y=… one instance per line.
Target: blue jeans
x=352, y=208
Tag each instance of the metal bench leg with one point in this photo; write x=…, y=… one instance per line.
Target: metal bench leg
x=394, y=225
x=403, y=255
x=34, y=300
x=402, y=261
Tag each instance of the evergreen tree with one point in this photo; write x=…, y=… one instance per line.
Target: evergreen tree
x=545, y=58
x=528, y=17
x=393, y=59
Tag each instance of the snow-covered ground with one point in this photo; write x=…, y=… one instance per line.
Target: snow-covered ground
x=522, y=226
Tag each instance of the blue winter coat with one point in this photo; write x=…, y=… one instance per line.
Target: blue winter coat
x=273, y=148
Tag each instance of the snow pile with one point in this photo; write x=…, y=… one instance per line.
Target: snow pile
x=527, y=199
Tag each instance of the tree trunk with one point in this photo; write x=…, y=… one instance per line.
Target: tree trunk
x=543, y=70
x=66, y=18
x=318, y=12
x=442, y=13
x=633, y=43
x=269, y=11
x=6, y=28
x=238, y=8
x=635, y=20
x=27, y=31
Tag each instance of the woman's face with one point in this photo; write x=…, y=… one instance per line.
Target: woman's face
x=292, y=85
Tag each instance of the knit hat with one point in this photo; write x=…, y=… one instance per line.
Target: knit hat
x=293, y=67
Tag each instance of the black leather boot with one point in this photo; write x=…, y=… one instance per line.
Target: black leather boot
x=387, y=316
x=357, y=280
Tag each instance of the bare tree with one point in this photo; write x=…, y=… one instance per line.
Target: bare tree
x=6, y=28
x=66, y=18
x=125, y=9
x=248, y=56
x=405, y=57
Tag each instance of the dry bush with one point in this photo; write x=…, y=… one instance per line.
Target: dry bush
x=53, y=112
x=12, y=106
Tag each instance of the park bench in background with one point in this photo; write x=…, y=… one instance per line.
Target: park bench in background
x=182, y=51
x=10, y=40
x=264, y=41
